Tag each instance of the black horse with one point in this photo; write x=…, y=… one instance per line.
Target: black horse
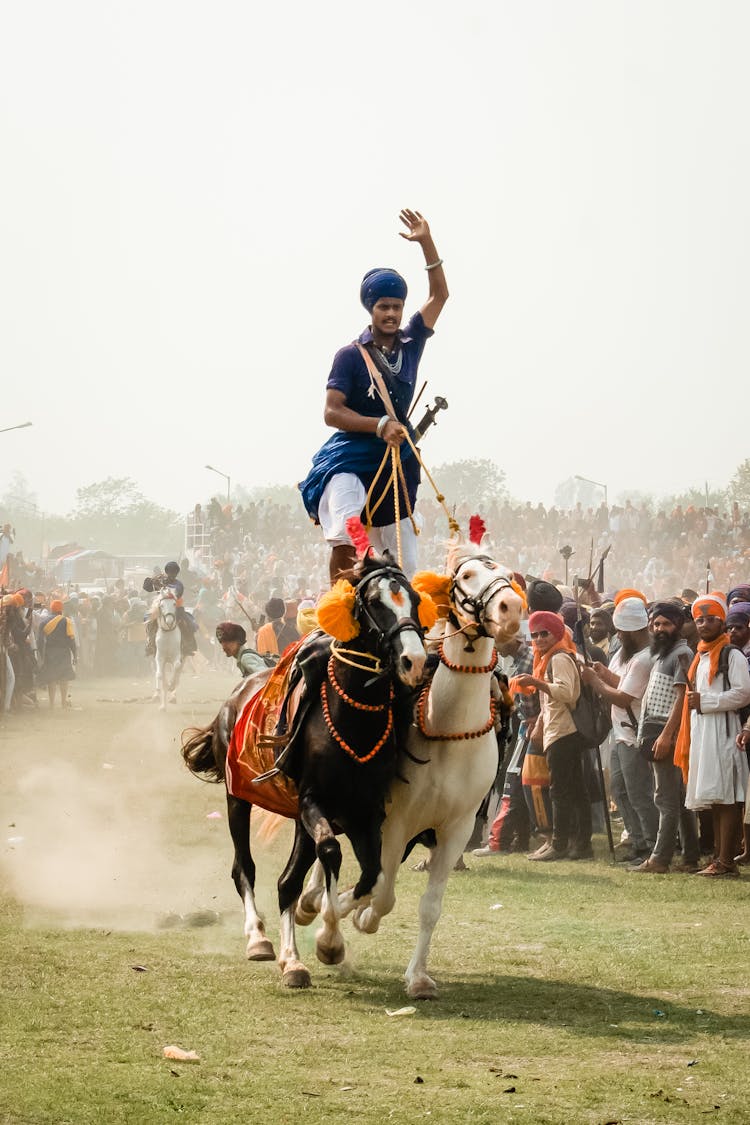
x=342, y=757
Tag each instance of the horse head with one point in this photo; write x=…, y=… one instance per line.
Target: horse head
x=165, y=610
x=380, y=614
x=483, y=593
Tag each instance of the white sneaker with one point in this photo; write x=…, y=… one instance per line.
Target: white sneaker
x=485, y=851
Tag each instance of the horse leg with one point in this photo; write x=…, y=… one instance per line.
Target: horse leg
x=308, y=906
x=367, y=915
x=293, y=972
x=259, y=947
x=175, y=671
x=367, y=847
x=329, y=941
x=419, y=985
x=161, y=680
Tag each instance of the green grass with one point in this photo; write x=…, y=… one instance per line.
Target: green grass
x=582, y=999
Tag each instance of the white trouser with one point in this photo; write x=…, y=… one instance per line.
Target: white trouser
x=344, y=496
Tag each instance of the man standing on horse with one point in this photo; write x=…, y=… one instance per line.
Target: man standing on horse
x=169, y=581
x=368, y=395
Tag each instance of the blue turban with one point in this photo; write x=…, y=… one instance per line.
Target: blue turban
x=739, y=593
x=379, y=283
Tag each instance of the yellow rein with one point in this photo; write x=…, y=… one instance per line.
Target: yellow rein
x=395, y=477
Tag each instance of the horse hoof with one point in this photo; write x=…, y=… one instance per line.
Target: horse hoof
x=162, y=706
x=172, y=697
x=260, y=951
x=422, y=988
x=296, y=978
x=331, y=953
x=366, y=921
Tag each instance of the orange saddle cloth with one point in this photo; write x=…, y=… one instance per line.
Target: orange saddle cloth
x=251, y=747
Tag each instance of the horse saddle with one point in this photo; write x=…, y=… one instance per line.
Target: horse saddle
x=261, y=748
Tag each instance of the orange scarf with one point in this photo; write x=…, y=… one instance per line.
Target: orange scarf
x=682, y=747
x=541, y=663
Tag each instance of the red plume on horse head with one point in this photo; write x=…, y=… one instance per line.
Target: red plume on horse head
x=477, y=528
x=359, y=537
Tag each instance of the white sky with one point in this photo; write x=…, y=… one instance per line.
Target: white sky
x=190, y=194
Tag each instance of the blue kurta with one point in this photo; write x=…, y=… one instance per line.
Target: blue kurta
x=362, y=454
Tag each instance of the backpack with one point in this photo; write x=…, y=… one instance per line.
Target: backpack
x=590, y=713
x=723, y=670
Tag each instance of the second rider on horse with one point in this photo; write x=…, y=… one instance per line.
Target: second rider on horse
x=169, y=581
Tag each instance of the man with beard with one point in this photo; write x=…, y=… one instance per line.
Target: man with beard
x=657, y=734
x=715, y=767
x=622, y=685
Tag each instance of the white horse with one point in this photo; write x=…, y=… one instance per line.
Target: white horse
x=454, y=733
x=168, y=648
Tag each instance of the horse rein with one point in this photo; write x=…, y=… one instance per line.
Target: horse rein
x=377, y=666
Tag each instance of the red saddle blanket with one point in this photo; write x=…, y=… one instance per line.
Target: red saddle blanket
x=251, y=747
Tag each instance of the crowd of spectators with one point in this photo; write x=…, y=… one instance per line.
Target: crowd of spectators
x=240, y=556
x=240, y=560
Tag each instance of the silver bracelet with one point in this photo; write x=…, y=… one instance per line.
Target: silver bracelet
x=381, y=425
x=434, y=265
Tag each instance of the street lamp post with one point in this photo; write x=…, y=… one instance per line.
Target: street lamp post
x=227, y=478
x=20, y=426
x=598, y=484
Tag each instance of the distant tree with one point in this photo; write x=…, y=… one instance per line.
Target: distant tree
x=476, y=482
x=18, y=498
x=574, y=491
x=739, y=485
x=637, y=498
x=114, y=515
x=694, y=497
x=284, y=494
x=115, y=496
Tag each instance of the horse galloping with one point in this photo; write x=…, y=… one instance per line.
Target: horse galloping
x=453, y=733
x=342, y=755
x=168, y=648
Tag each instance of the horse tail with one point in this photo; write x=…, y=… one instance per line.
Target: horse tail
x=268, y=824
x=198, y=752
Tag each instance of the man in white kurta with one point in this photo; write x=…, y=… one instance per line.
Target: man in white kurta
x=718, y=769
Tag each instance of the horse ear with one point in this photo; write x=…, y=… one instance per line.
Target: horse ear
x=335, y=612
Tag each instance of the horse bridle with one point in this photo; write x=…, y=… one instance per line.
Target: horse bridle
x=167, y=617
x=474, y=605
x=362, y=610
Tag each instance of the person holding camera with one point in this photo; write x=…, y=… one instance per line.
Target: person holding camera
x=169, y=581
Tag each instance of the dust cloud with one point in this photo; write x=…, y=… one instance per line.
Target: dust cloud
x=104, y=826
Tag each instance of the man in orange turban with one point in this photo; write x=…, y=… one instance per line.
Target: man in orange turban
x=715, y=767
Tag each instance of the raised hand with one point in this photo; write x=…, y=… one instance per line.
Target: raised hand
x=418, y=227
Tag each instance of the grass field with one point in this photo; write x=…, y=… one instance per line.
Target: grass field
x=570, y=993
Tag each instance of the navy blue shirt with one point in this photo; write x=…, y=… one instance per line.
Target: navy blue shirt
x=350, y=375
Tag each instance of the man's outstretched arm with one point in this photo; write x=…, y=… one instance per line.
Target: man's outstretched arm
x=419, y=231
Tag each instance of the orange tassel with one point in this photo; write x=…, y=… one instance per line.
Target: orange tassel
x=335, y=612
x=438, y=586
x=427, y=611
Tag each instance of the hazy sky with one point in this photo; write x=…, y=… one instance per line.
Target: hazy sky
x=190, y=194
